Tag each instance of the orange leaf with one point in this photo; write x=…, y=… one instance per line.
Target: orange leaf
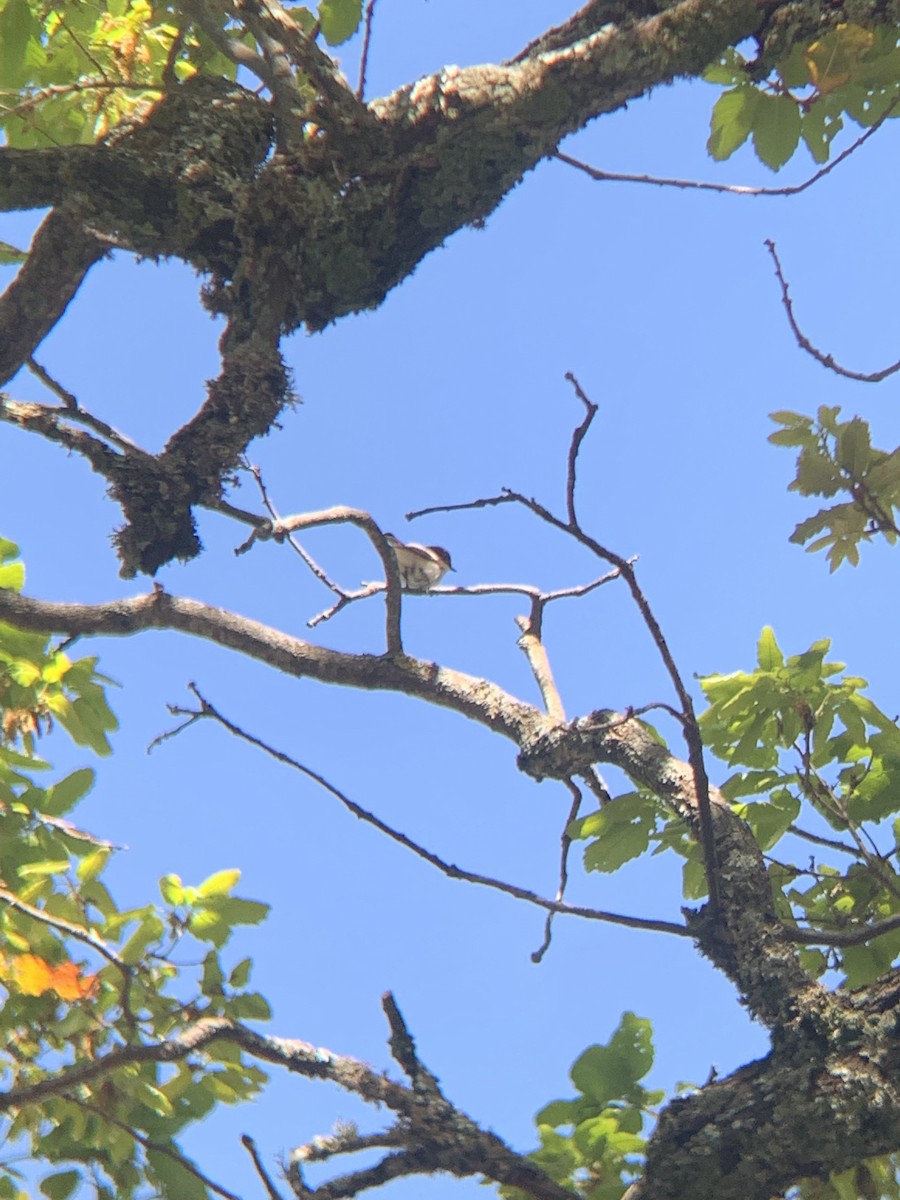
x=70, y=984
x=34, y=976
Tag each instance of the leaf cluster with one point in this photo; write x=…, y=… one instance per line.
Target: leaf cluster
x=849, y=71
x=80, y=976
x=593, y=1144
x=812, y=755
x=73, y=72
x=838, y=457
x=813, y=748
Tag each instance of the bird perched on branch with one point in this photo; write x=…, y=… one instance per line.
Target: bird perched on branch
x=421, y=567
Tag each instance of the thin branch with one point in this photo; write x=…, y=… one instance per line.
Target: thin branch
x=448, y=869
x=160, y=1148
x=338, y=515
x=287, y=99
x=73, y=411
x=233, y=48
x=485, y=502
x=68, y=399
x=818, y=840
x=474, y=589
x=250, y=1146
x=364, y=57
x=87, y=936
x=307, y=558
x=403, y=1049
x=625, y=567
x=341, y=106
x=805, y=344
x=347, y=1140
x=531, y=644
x=733, y=189
x=577, y=438
x=855, y=937
x=688, y=718
x=565, y=844
x=168, y=77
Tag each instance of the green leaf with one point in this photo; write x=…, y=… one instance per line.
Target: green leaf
x=728, y=68
x=61, y=1185
x=250, y=1006
x=768, y=654
x=93, y=864
x=339, y=19
x=731, y=121
x=45, y=867
x=776, y=129
x=10, y=256
x=171, y=890
x=240, y=975
x=610, y=1072
x=17, y=26
x=771, y=821
x=621, y=830
x=219, y=884
x=12, y=575
x=559, y=1112
x=63, y=796
x=854, y=447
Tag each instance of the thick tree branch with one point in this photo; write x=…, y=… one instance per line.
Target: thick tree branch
x=746, y=940
x=478, y=699
x=439, y=1135
x=61, y=255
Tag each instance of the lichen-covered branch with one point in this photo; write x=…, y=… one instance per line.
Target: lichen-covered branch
x=61, y=254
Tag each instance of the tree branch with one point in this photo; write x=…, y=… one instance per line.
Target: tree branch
x=805, y=344
x=60, y=257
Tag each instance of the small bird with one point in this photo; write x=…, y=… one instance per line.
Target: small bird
x=421, y=567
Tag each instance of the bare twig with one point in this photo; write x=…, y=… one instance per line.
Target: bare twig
x=565, y=844
x=233, y=48
x=448, y=869
x=577, y=438
x=732, y=189
x=596, y=786
x=819, y=840
x=531, y=644
x=805, y=344
x=74, y=412
x=625, y=567
x=250, y=1146
x=68, y=399
x=474, y=589
x=364, y=57
x=338, y=515
x=307, y=558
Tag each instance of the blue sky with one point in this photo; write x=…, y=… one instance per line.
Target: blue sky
x=665, y=306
